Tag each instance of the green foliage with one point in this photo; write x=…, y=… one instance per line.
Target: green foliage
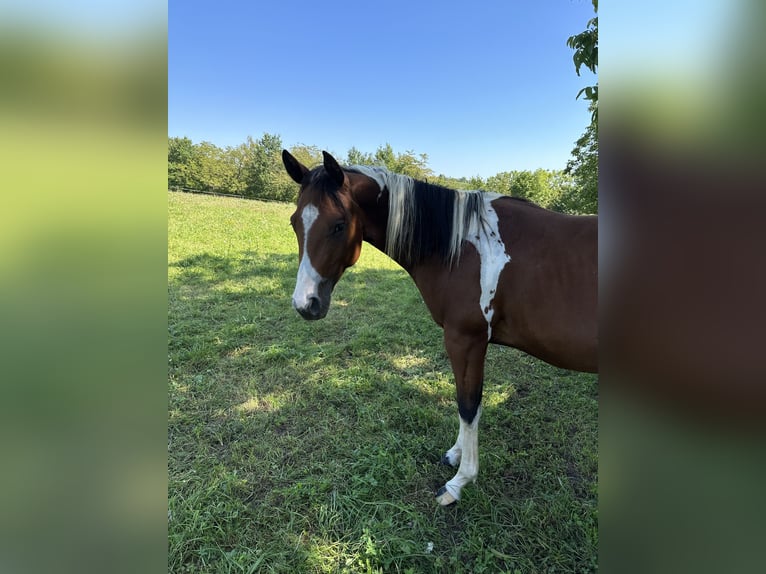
x=583, y=166
x=308, y=155
x=476, y=182
x=181, y=155
x=500, y=182
x=212, y=169
x=203, y=166
x=356, y=157
x=407, y=163
x=265, y=176
x=255, y=169
x=585, y=46
x=453, y=182
x=547, y=188
x=297, y=446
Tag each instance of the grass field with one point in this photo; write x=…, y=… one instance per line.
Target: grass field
x=298, y=446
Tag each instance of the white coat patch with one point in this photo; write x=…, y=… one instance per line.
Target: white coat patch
x=493, y=257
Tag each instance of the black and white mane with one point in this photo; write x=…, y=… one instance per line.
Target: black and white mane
x=426, y=219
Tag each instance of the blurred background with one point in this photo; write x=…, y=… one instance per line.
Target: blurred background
x=83, y=144
x=682, y=283
x=82, y=286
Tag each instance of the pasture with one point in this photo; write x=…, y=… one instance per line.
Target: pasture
x=298, y=446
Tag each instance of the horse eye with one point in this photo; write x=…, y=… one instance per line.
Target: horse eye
x=339, y=228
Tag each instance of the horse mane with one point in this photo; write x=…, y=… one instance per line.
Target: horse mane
x=425, y=219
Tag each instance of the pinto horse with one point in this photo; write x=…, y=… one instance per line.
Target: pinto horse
x=490, y=268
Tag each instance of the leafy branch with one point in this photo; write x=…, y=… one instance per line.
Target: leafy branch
x=585, y=46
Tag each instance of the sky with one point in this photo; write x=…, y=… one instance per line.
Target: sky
x=480, y=87
x=682, y=37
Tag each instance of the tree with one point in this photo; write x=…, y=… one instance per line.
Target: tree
x=356, y=157
x=546, y=188
x=585, y=46
x=454, y=182
x=204, y=166
x=414, y=165
x=212, y=168
x=562, y=186
x=237, y=159
x=265, y=177
x=407, y=163
x=385, y=156
x=500, y=183
x=181, y=155
x=308, y=155
x=255, y=168
x=583, y=166
x=534, y=186
x=476, y=182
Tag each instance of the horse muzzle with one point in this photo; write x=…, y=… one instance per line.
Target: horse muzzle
x=313, y=306
x=312, y=310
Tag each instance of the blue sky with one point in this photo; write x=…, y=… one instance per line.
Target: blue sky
x=480, y=87
x=680, y=39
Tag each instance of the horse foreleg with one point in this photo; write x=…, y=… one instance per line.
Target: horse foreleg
x=467, y=357
x=453, y=455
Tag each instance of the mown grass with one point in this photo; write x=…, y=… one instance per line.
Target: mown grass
x=298, y=446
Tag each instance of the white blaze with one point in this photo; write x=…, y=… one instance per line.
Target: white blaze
x=307, y=283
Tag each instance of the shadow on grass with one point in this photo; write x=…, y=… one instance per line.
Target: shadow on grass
x=314, y=445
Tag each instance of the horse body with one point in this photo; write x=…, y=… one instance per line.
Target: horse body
x=491, y=269
x=549, y=309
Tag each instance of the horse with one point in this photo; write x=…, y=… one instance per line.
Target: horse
x=490, y=268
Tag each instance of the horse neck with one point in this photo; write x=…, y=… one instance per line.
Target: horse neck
x=373, y=206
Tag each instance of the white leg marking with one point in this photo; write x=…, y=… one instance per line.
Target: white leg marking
x=493, y=258
x=469, y=461
x=307, y=283
x=454, y=454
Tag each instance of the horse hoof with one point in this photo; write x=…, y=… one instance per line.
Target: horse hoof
x=444, y=498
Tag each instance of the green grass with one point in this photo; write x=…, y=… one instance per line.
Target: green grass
x=298, y=446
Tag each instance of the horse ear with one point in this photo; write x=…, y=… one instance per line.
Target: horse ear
x=294, y=168
x=333, y=169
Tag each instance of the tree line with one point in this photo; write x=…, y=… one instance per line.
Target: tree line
x=254, y=169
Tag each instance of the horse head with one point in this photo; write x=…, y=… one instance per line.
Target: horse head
x=328, y=228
